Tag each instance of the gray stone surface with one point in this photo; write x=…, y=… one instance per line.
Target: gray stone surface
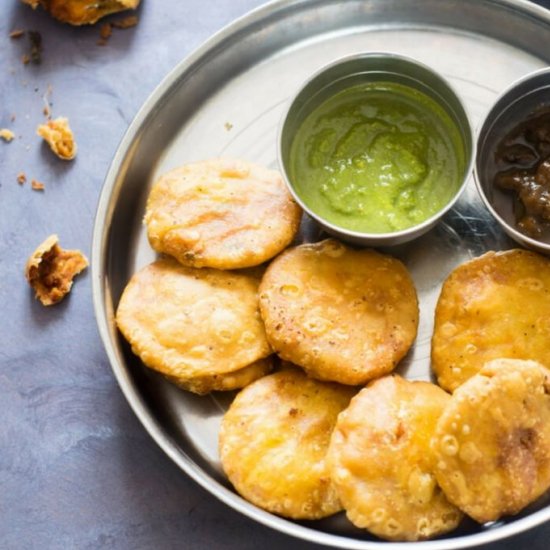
x=77, y=470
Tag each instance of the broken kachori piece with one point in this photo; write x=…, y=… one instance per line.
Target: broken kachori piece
x=273, y=442
x=50, y=270
x=493, y=306
x=59, y=136
x=82, y=12
x=341, y=314
x=492, y=442
x=382, y=465
x=221, y=213
x=195, y=326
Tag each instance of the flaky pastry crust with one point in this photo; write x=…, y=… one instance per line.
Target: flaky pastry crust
x=341, y=314
x=493, y=306
x=382, y=464
x=221, y=213
x=273, y=442
x=191, y=324
x=492, y=442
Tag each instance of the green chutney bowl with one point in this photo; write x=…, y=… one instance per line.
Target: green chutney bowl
x=362, y=72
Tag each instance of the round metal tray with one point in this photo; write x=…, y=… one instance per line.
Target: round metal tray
x=227, y=99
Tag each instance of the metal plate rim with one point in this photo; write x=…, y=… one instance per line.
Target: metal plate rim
x=104, y=320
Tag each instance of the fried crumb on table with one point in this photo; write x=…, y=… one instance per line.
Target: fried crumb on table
x=6, y=135
x=105, y=32
x=37, y=185
x=59, y=137
x=16, y=33
x=106, y=29
x=21, y=178
x=35, y=55
x=126, y=22
x=50, y=270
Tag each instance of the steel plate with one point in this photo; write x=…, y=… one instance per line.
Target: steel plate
x=227, y=99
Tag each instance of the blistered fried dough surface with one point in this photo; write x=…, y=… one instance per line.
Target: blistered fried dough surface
x=493, y=440
x=190, y=323
x=273, y=443
x=341, y=314
x=81, y=12
x=50, y=270
x=382, y=464
x=59, y=136
x=493, y=306
x=221, y=213
x=225, y=382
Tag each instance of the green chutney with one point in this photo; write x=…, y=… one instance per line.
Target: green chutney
x=377, y=158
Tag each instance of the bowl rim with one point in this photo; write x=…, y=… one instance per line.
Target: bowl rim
x=490, y=115
x=401, y=235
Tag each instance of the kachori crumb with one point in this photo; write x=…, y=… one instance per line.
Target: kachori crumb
x=37, y=185
x=16, y=33
x=105, y=32
x=35, y=55
x=50, y=270
x=59, y=136
x=126, y=22
x=6, y=134
x=21, y=178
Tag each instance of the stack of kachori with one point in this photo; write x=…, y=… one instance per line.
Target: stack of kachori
x=198, y=326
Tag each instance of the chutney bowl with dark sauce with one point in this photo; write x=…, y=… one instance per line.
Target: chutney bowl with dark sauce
x=512, y=169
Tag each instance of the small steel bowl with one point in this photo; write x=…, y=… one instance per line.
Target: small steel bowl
x=360, y=69
x=521, y=100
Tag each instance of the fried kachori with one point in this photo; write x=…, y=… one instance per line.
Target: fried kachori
x=382, y=464
x=492, y=442
x=493, y=306
x=194, y=325
x=221, y=213
x=341, y=314
x=50, y=270
x=273, y=443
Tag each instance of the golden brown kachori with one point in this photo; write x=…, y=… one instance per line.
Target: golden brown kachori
x=273, y=442
x=221, y=213
x=492, y=442
x=382, y=464
x=194, y=324
x=341, y=314
x=497, y=305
